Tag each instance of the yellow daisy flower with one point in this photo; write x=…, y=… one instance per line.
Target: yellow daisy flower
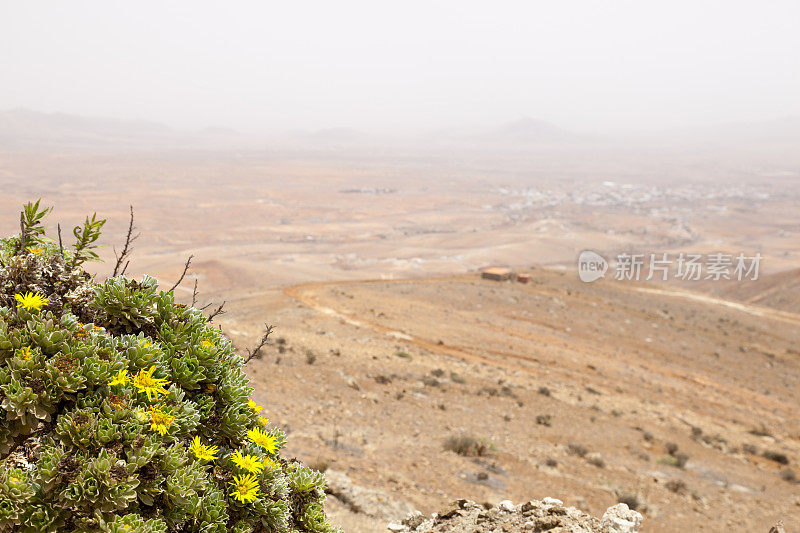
x=151, y=386
x=26, y=353
x=31, y=300
x=245, y=488
x=160, y=421
x=261, y=438
x=254, y=406
x=207, y=343
x=120, y=379
x=263, y=421
x=247, y=462
x=269, y=463
x=203, y=452
x=36, y=251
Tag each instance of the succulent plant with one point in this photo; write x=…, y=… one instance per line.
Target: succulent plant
x=124, y=411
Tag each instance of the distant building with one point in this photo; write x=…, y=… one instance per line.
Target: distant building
x=497, y=274
x=523, y=278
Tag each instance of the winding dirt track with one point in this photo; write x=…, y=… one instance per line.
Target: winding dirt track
x=307, y=294
x=784, y=316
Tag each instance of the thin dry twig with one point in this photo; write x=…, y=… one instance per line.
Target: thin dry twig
x=256, y=352
x=194, y=293
x=60, y=242
x=126, y=250
x=185, y=270
x=22, y=236
x=217, y=311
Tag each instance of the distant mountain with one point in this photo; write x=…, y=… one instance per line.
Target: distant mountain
x=23, y=127
x=34, y=130
x=328, y=136
x=523, y=131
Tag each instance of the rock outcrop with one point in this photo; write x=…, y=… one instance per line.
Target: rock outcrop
x=548, y=514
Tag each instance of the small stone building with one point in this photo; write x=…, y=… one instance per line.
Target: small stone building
x=497, y=274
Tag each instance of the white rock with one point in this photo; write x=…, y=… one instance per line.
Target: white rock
x=506, y=505
x=620, y=519
x=393, y=526
x=552, y=501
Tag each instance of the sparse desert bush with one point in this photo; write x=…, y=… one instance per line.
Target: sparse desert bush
x=281, y=344
x=630, y=499
x=671, y=448
x=544, y=391
x=595, y=459
x=678, y=460
x=311, y=357
x=402, y=354
x=761, y=431
x=544, y=420
x=778, y=457
x=678, y=486
x=124, y=411
x=382, y=379
x=681, y=459
x=457, y=378
x=468, y=445
x=430, y=381
x=749, y=448
x=575, y=448
x=787, y=474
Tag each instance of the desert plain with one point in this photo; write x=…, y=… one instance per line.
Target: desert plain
x=412, y=381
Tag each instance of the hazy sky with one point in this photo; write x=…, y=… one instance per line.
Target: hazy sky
x=585, y=65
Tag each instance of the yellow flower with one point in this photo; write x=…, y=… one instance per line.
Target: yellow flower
x=247, y=462
x=261, y=438
x=203, y=452
x=245, y=488
x=160, y=421
x=30, y=301
x=269, y=463
x=121, y=379
x=25, y=353
x=254, y=406
x=207, y=343
x=36, y=251
x=263, y=421
x=146, y=383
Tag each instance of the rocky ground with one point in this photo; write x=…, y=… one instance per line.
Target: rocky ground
x=548, y=514
x=428, y=390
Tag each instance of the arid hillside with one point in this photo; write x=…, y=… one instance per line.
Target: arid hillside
x=780, y=291
x=413, y=381
x=591, y=393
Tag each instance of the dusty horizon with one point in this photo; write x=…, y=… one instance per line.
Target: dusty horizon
x=587, y=67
